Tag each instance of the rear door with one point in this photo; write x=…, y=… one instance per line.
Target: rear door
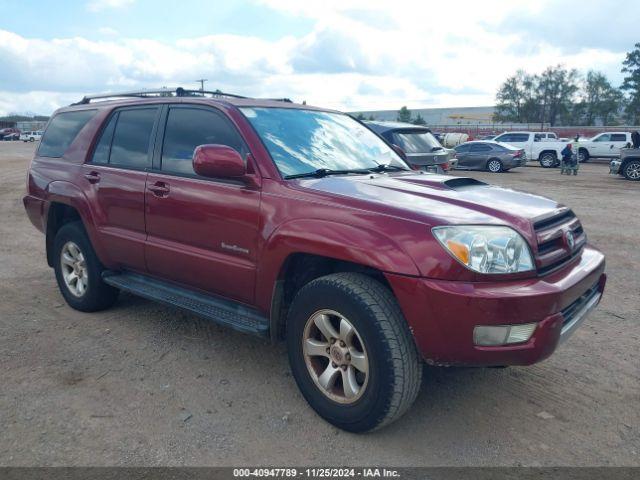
x=618, y=141
x=462, y=154
x=202, y=232
x=478, y=155
x=115, y=182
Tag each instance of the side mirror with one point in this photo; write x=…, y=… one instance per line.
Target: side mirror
x=401, y=153
x=218, y=161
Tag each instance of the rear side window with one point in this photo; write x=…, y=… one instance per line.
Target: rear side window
x=103, y=149
x=189, y=127
x=62, y=130
x=480, y=147
x=618, y=137
x=131, y=138
x=462, y=148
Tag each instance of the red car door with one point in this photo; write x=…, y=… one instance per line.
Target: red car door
x=202, y=232
x=115, y=183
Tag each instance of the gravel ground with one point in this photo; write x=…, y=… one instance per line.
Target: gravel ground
x=143, y=384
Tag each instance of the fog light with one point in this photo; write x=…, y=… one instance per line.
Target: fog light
x=496, y=335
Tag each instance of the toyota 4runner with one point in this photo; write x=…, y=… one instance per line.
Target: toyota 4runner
x=299, y=223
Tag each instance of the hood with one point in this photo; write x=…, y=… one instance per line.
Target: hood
x=438, y=199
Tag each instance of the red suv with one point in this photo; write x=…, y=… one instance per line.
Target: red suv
x=300, y=223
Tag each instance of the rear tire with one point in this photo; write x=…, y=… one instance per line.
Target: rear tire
x=79, y=272
x=494, y=165
x=631, y=170
x=583, y=155
x=384, y=382
x=548, y=160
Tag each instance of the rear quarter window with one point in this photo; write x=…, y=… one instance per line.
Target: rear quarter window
x=62, y=130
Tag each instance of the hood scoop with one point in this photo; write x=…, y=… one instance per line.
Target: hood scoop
x=443, y=182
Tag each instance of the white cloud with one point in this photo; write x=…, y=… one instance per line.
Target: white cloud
x=99, y=5
x=424, y=54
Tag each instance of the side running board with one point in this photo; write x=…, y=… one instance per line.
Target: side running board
x=217, y=309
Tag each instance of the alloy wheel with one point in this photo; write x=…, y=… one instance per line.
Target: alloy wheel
x=494, y=166
x=633, y=171
x=74, y=269
x=335, y=356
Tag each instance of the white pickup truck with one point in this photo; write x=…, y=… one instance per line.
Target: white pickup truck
x=605, y=145
x=541, y=146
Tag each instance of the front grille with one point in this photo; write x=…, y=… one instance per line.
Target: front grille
x=570, y=312
x=553, y=250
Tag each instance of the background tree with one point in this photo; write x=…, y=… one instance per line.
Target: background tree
x=516, y=99
x=631, y=85
x=404, y=115
x=600, y=101
x=556, y=89
x=360, y=116
x=419, y=120
x=371, y=117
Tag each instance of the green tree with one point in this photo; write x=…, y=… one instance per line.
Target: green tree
x=371, y=117
x=600, y=101
x=404, y=115
x=631, y=85
x=359, y=116
x=557, y=87
x=419, y=120
x=516, y=100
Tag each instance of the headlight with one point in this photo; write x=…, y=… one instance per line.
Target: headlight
x=486, y=249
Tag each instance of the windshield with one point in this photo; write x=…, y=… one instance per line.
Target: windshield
x=418, y=142
x=303, y=141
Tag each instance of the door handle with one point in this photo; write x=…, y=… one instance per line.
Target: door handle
x=159, y=189
x=93, y=177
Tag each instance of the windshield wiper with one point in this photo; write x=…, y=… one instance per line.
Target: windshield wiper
x=386, y=168
x=323, y=172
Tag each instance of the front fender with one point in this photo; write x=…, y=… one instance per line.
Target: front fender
x=328, y=239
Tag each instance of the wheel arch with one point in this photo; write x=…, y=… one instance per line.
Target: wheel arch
x=65, y=203
x=293, y=256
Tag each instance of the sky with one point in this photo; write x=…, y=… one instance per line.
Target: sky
x=351, y=55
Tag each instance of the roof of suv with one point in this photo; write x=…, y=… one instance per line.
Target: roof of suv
x=183, y=96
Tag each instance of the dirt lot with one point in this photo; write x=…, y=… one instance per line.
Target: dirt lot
x=143, y=384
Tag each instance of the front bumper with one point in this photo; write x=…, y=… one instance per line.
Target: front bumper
x=614, y=167
x=443, y=314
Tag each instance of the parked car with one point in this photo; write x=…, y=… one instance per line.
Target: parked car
x=419, y=145
x=628, y=165
x=301, y=224
x=536, y=145
x=11, y=137
x=604, y=145
x=489, y=155
x=31, y=136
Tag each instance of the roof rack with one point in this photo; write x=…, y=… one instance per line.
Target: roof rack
x=166, y=92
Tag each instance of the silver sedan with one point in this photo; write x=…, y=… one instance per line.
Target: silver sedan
x=489, y=155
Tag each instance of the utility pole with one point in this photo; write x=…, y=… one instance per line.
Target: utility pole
x=202, y=80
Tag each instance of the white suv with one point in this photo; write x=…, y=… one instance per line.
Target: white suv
x=606, y=145
x=31, y=136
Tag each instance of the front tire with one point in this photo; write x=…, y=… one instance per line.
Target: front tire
x=351, y=352
x=631, y=170
x=548, y=160
x=79, y=272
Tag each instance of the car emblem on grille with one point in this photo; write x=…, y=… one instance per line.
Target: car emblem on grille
x=569, y=239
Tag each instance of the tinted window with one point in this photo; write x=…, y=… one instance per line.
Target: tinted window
x=101, y=153
x=189, y=127
x=618, y=137
x=417, y=142
x=462, y=148
x=519, y=137
x=480, y=147
x=130, y=146
x=603, y=138
x=61, y=131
